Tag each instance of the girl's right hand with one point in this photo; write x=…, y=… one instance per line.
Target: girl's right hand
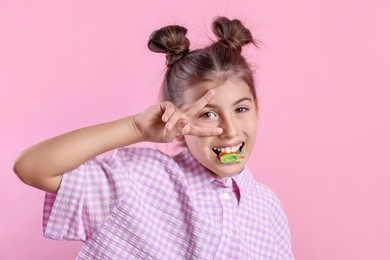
x=164, y=122
x=43, y=164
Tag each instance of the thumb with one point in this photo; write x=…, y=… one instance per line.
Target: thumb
x=181, y=125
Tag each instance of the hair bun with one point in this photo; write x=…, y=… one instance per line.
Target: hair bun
x=232, y=33
x=170, y=40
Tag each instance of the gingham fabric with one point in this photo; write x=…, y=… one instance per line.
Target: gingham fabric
x=140, y=203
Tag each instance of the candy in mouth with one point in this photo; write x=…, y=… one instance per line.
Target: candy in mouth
x=230, y=154
x=231, y=157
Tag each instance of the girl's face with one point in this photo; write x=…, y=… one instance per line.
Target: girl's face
x=232, y=108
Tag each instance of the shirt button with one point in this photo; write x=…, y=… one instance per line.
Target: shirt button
x=225, y=196
x=228, y=181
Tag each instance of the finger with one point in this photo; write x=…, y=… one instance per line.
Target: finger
x=201, y=131
x=180, y=125
x=168, y=109
x=173, y=120
x=200, y=103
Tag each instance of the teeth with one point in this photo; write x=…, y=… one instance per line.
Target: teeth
x=232, y=149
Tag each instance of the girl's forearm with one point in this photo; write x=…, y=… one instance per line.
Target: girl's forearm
x=43, y=165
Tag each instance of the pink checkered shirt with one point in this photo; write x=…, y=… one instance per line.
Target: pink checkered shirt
x=140, y=203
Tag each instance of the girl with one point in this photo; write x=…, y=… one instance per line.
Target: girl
x=140, y=203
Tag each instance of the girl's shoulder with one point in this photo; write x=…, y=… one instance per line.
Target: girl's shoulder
x=264, y=194
x=247, y=181
x=140, y=153
x=262, y=188
x=143, y=158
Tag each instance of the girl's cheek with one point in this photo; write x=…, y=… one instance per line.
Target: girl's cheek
x=211, y=122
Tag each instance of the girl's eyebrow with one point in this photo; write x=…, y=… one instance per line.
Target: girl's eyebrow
x=234, y=104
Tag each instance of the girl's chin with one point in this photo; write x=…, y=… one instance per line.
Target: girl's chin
x=223, y=170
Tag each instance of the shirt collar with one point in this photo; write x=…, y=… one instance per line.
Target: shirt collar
x=198, y=176
x=243, y=181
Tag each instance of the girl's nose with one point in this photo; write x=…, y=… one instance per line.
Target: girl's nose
x=230, y=127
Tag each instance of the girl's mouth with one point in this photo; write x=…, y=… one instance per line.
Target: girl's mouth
x=231, y=149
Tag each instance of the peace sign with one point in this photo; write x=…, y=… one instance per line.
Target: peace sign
x=164, y=122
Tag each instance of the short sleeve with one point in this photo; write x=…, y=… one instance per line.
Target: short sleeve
x=86, y=197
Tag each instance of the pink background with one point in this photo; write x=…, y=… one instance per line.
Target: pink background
x=323, y=77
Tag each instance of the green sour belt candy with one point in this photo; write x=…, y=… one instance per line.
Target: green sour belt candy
x=231, y=157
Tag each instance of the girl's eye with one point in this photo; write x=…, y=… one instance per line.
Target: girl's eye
x=208, y=115
x=241, y=109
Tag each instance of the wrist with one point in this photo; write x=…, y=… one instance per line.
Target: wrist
x=135, y=133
